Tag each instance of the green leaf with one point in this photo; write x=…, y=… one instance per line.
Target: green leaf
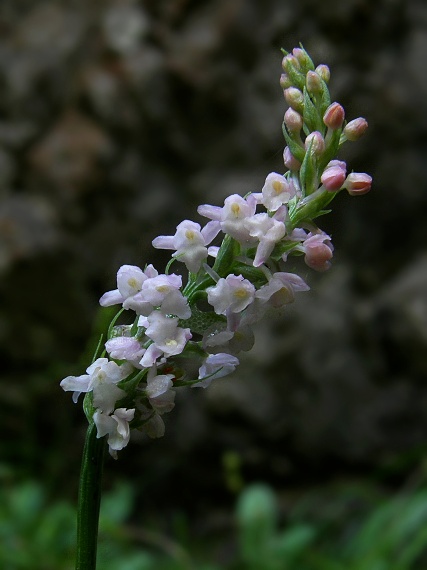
x=296, y=149
x=283, y=247
x=227, y=253
x=311, y=114
x=308, y=173
x=332, y=141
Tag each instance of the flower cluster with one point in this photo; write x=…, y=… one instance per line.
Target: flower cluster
x=189, y=333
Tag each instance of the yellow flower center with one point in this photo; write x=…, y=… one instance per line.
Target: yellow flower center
x=240, y=293
x=277, y=186
x=132, y=282
x=162, y=288
x=235, y=208
x=189, y=234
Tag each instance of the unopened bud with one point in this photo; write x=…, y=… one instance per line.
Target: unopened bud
x=293, y=120
x=355, y=129
x=323, y=71
x=303, y=58
x=290, y=161
x=334, y=116
x=294, y=98
x=285, y=81
x=333, y=176
x=290, y=61
x=313, y=82
x=318, y=252
x=358, y=183
x=315, y=142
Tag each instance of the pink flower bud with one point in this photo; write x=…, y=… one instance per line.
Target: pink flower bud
x=290, y=161
x=333, y=177
x=285, y=81
x=290, y=61
x=294, y=98
x=316, y=141
x=318, y=251
x=355, y=129
x=293, y=120
x=323, y=71
x=358, y=183
x=334, y=116
x=303, y=58
x=313, y=82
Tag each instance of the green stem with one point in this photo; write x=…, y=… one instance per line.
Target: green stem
x=89, y=500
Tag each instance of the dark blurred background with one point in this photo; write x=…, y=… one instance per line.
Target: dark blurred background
x=117, y=118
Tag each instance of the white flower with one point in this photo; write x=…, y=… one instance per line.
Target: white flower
x=159, y=392
x=169, y=339
x=161, y=291
x=268, y=231
x=232, y=216
x=129, y=282
x=281, y=289
x=189, y=243
x=216, y=366
x=231, y=295
x=116, y=426
x=101, y=378
x=125, y=348
x=276, y=191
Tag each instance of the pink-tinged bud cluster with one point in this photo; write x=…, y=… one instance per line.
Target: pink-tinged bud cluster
x=334, y=116
x=285, y=81
x=290, y=63
x=293, y=120
x=358, y=183
x=294, y=98
x=315, y=143
x=355, y=129
x=334, y=175
x=236, y=264
x=289, y=160
x=318, y=251
x=323, y=71
x=314, y=83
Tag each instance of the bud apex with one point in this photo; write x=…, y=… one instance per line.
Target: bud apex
x=333, y=176
x=294, y=98
x=358, y=183
x=355, y=129
x=316, y=141
x=334, y=116
x=290, y=161
x=313, y=82
x=323, y=71
x=293, y=120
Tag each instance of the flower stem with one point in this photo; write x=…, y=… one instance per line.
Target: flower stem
x=89, y=500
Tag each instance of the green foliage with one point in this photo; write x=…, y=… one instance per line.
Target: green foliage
x=350, y=528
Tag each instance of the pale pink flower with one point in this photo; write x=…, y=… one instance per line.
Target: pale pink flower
x=318, y=251
x=280, y=289
x=232, y=215
x=116, y=427
x=231, y=294
x=189, y=243
x=216, y=366
x=268, y=231
x=276, y=191
x=129, y=282
x=101, y=379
